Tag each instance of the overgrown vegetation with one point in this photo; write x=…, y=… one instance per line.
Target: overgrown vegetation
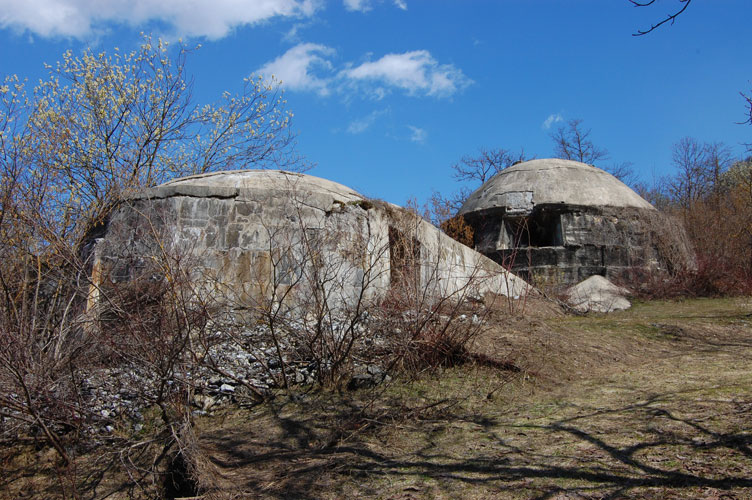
x=105, y=366
x=646, y=403
x=108, y=347
x=149, y=326
x=710, y=195
x=100, y=127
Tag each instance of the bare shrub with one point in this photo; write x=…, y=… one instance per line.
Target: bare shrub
x=41, y=346
x=313, y=280
x=712, y=277
x=332, y=288
x=425, y=324
x=44, y=342
x=148, y=311
x=716, y=216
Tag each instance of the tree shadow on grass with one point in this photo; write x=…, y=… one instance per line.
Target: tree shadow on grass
x=303, y=461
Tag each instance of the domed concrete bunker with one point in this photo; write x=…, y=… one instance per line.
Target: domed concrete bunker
x=564, y=221
x=254, y=234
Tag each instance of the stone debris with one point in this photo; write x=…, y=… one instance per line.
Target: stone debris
x=371, y=377
x=242, y=234
x=246, y=359
x=597, y=294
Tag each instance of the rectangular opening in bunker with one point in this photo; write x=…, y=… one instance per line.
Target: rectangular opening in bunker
x=404, y=258
x=538, y=230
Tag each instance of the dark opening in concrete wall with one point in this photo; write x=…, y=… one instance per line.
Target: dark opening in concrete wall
x=540, y=229
x=404, y=258
x=566, y=221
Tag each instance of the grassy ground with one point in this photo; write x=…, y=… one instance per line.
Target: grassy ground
x=654, y=402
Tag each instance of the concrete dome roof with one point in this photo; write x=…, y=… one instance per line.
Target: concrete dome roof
x=552, y=181
x=255, y=185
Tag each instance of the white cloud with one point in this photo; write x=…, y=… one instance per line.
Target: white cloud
x=417, y=72
x=418, y=135
x=209, y=18
x=358, y=5
x=308, y=67
x=295, y=68
x=362, y=124
x=553, y=118
x=292, y=35
x=365, y=5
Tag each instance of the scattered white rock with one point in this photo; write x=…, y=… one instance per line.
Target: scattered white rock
x=597, y=294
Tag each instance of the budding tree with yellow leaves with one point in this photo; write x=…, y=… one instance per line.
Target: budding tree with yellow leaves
x=103, y=125
x=99, y=127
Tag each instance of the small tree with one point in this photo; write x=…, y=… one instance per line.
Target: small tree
x=104, y=125
x=572, y=142
x=748, y=112
x=488, y=162
x=442, y=210
x=699, y=167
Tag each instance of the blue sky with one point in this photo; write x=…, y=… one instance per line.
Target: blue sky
x=388, y=94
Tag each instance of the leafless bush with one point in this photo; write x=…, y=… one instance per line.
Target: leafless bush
x=40, y=346
x=149, y=311
x=712, y=277
x=43, y=338
x=425, y=324
x=309, y=292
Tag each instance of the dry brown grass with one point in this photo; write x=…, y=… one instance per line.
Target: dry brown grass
x=649, y=403
x=654, y=402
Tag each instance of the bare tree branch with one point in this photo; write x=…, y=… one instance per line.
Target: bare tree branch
x=748, y=98
x=572, y=142
x=670, y=18
x=486, y=164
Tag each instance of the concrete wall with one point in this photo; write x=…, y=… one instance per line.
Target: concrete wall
x=609, y=241
x=252, y=244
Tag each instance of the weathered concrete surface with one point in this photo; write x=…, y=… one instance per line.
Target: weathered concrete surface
x=597, y=294
x=563, y=221
x=255, y=185
x=552, y=181
x=248, y=235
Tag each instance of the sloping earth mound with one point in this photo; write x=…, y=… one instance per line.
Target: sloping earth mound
x=654, y=402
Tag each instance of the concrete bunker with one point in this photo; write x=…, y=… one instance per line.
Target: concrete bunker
x=248, y=234
x=565, y=221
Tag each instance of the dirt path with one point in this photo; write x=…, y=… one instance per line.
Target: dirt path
x=652, y=403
